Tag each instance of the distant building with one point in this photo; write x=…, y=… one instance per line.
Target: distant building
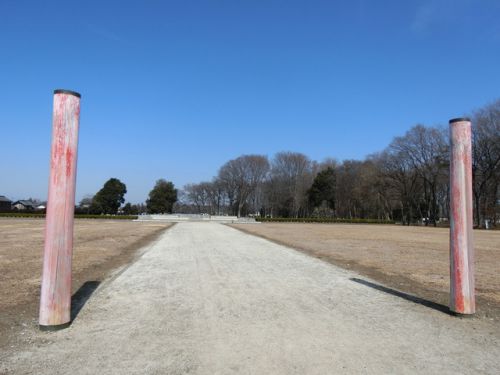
x=5, y=204
x=23, y=205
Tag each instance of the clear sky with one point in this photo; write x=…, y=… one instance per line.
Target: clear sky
x=173, y=89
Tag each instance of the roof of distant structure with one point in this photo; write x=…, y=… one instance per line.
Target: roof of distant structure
x=3, y=198
x=26, y=203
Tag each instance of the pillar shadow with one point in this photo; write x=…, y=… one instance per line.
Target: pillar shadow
x=81, y=297
x=408, y=297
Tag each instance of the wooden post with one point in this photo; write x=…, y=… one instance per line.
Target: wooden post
x=462, y=296
x=55, y=299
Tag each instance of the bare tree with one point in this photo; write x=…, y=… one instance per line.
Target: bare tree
x=402, y=182
x=241, y=177
x=360, y=193
x=215, y=193
x=197, y=195
x=347, y=197
x=290, y=178
x=486, y=161
x=426, y=148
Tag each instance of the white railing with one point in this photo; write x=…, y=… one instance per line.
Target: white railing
x=193, y=217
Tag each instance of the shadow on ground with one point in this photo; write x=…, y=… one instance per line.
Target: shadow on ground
x=405, y=296
x=82, y=295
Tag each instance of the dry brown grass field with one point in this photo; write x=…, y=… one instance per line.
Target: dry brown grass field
x=100, y=246
x=413, y=260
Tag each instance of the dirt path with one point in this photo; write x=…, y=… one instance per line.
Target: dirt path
x=208, y=299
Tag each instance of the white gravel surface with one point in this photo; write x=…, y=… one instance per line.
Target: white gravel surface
x=208, y=299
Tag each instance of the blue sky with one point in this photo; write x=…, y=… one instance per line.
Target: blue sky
x=173, y=89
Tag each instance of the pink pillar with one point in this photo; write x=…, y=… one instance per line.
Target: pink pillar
x=55, y=300
x=462, y=298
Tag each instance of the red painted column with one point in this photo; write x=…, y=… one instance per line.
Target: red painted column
x=55, y=300
x=462, y=296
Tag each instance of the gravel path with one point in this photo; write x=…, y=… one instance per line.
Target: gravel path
x=208, y=299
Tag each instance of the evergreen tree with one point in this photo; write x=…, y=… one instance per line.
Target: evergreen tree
x=162, y=197
x=130, y=209
x=323, y=189
x=109, y=198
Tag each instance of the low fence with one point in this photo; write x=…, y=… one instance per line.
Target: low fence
x=77, y=216
x=176, y=218
x=321, y=220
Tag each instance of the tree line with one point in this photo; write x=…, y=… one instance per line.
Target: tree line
x=408, y=181
x=110, y=198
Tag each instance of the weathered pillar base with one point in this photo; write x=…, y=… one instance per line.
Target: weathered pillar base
x=462, y=316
